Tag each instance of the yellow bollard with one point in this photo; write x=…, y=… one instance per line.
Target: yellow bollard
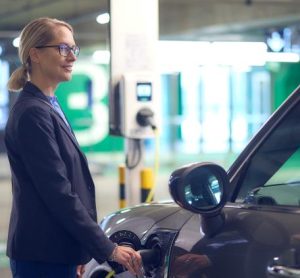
x=147, y=183
x=122, y=197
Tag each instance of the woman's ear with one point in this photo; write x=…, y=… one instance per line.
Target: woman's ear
x=34, y=55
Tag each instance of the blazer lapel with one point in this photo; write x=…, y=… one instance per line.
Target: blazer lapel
x=67, y=129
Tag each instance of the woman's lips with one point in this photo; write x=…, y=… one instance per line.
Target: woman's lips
x=68, y=68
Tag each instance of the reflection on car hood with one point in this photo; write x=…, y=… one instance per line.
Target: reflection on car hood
x=140, y=219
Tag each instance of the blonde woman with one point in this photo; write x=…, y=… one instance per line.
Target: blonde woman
x=53, y=228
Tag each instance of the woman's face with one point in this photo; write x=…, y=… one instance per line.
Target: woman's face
x=52, y=67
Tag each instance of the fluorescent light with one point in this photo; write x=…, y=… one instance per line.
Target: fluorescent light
x=282, y=57
x=238, y=53
x=174, y=55
x=16, y=42
x=101, y=56
x=103, y=18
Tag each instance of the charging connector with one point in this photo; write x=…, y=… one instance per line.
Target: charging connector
x=144, y=118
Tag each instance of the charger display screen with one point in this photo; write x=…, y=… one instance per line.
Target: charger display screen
x=144, y=91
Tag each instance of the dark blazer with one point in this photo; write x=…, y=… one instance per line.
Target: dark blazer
x=53, y=216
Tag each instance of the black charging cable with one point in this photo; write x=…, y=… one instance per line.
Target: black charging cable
x=134, y=159
x=144, y=118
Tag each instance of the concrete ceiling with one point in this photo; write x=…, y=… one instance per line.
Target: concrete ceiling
x=233, y=20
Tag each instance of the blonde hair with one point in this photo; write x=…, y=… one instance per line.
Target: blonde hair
x=36, y=33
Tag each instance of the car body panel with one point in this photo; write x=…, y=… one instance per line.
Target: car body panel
x=146, y=218
x=136, y=227
x=243, y=248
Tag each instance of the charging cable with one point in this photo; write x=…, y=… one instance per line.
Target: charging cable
x=133, y=160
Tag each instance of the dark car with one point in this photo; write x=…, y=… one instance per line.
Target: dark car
x=243, y=223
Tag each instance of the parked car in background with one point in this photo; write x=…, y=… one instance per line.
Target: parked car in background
x=240, y=223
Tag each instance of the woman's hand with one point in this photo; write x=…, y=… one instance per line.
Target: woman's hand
x=129, y=258
x=80, y=270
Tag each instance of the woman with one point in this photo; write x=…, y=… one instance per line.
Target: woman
x=53, y=228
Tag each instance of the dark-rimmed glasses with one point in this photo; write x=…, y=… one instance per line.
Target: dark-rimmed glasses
x=64, y=49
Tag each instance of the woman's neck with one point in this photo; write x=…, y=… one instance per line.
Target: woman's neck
x=46, y=88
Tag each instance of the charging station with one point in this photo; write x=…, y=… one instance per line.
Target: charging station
x=134, y=89
x=139, y=113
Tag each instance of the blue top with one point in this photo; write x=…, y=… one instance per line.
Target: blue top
x=54, y=102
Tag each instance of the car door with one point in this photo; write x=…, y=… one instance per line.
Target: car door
x=260, y=231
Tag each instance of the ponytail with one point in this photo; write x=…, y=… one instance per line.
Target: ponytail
x=37, y=32
x=18, y=79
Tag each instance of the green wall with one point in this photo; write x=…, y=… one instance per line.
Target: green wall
x=286, y=78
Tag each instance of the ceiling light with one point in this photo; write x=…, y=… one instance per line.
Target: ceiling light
x=16, y=42
x=103, y=18
x=275, y=42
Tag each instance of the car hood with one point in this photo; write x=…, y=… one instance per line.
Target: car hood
x=143, y=218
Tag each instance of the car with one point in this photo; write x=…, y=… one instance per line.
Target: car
x=240, y=223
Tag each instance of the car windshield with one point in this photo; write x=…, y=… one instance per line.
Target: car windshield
x=274, y=169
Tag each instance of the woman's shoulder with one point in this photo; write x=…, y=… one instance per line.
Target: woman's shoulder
x=26, y=101
x=29, y=107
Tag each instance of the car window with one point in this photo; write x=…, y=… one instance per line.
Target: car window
x=272, y=175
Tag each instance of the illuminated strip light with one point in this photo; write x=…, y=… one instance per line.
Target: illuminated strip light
x=174, y=55
x=282, y=57
x=238, y=53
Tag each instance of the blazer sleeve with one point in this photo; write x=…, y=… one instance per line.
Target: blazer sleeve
x=40, y=153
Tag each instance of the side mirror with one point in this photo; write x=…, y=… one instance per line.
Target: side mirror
x=200, y=188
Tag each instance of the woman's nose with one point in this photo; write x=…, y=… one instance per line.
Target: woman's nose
x=71, y=56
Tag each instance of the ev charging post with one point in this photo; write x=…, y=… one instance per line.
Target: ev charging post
x=134, y=93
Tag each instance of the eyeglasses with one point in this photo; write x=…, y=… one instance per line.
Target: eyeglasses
x=64, y=49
